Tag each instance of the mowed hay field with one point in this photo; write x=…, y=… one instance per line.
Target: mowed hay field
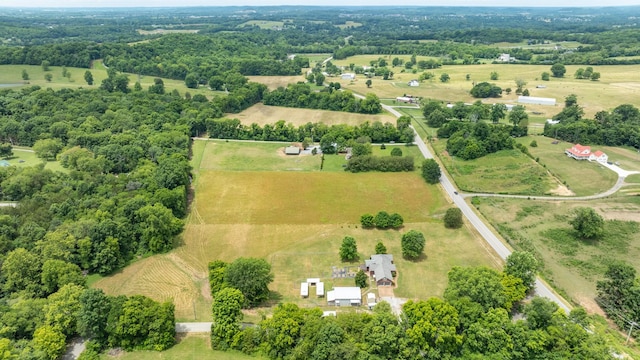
x=262, y=114
x=273, y=82
x=296, y=220
x=617, y=85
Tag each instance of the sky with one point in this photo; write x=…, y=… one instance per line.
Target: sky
x=182, y=3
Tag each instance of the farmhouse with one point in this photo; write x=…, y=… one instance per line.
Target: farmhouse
x=382, y=268
x=292, y=150
x=413, y=83
x=580, y=152
x=344, y=296
x=536, y=100
x=504, y=58
x=348, y=76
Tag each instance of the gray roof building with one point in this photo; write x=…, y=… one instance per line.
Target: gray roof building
x=382, y=268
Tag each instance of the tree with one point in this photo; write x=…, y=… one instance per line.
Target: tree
x=158, y=227
x=396, y=220
x=588, y=223
x=518, y=115
x=570, y=100
x=579, y=73
x=65, y=72
x=558, y=70
x=498, y=112
x=367, y=221
x=191, y=81
x=431, y=327
x=57, y=273
x=21, y=270
x=62, y=309
x=382, y=220
x=93, y=315
x=485, y=90
x=6, y=150
x=533, y=143
x=453, y=218
x=88, y=77
x=361, y=279
x=50, y=340
x=370, y=104
x=412, y=244
x=380, y=248
x=25, y=75
x=396, y=152
x=157, y=87
x=520, y=83
x=481, y=284
x=494, y=76
x=508, y=90
x=368, y=83
x=595, y=76
x=348, y=249
x=436, y=118
x=217, y=270
x=431, y=171
x=227, y=314
x=525, y=92
x=45, y=65
x=252, y=277
x=444, y=77
x=140, y=323
x=544, y=76
x=319, y=79
x=523, y=265
x=539, y=312
x=48, y=77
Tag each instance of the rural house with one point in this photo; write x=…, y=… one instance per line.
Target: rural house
x=504, y=58
x=345, y=296
x=581, y=152
x=382, y=268
x=413, y=83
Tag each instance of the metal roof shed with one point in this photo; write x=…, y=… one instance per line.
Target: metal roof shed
x=536, y=100
x=320, y=289
x=304, y=289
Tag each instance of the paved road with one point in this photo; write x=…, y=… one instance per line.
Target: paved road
x=541, y=289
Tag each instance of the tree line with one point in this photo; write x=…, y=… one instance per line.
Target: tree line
x=300, y=95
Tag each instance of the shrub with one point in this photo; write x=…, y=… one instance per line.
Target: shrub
x=453, y=218
x=367, y=221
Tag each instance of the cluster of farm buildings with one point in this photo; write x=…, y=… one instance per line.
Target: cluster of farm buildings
x=380, y=267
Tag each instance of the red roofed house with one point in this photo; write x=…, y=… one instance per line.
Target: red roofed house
x=580, y=152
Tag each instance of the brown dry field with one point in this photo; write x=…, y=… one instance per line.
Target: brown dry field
x=262, y=114
x=273, y=82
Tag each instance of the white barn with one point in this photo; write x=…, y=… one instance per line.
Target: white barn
x=348, y=76
x=536, y=100
x=345, y=296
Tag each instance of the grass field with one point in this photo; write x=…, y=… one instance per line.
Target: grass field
x=23, y=156
x=191, y=347
x=12, y=74
x=616, y=86
x=581, y=177
x=349, y=24
x=296, y=220
x=507, y=171
x=262, y=114
x=273, y=82
x=571, y=264
x=263, y=24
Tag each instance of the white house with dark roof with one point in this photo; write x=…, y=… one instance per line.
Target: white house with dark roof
x=382, y=268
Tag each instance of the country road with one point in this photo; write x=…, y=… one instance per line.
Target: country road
x=541, y=288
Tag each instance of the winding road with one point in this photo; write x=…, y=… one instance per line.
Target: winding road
x=541, y=288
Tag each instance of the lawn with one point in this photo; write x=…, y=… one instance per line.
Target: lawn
x=23, y=156
x=262, y=114
x=581, y=177
x=571, y=264
x=296, y=220
x=505, y=172
x=190, y=347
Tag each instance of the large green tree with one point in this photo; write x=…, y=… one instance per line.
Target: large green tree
x=348, y=249
x=523, y=265
x=453, y=218
x=227, y=314
x=588, y=223
x=431, y=171
x=252, y=277
x=93, y=315
x=412, y=244
x=558, y=70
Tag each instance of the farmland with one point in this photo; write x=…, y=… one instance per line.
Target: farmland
x=296, y=220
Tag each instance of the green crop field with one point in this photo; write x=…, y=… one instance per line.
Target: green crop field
x=581, y=177
x=296, y=220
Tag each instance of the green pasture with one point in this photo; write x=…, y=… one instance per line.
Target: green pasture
x=12, y=74
x=190, y=347
x=263, y=24
x=349, y=24
x=23, y=156
x=633, y=179
x=571, y=264
x=505, y=172
x=581, y=177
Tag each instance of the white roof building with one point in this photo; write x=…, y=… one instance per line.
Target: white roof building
x=319, y=289
x=304, y=289
x=536, y=100
x=345, y=296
